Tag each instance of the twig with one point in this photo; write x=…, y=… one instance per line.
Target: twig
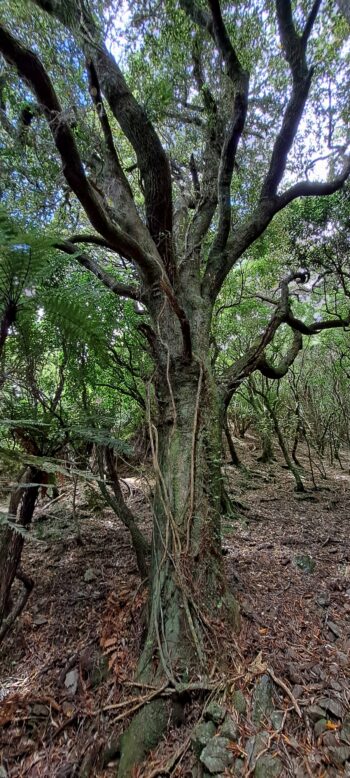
x=140, y=704
x=139, y=700
x=288, y=692
x=65, y=724
x=48, y=504
x=165, y=768
x=263, y=751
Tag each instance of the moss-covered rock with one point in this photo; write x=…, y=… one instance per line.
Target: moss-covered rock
x=239, y=702
x=262, y=700
x=215, y=712
x=229, y=728
x=201, y=735
x=216, y=756
x=268, y=766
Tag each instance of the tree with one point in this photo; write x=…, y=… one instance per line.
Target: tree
x=181, y=227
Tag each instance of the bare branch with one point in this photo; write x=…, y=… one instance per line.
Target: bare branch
x=94, y=239
x=114, y=166
x=317, y=326
x=313, y=188
x=207, y=201
x=255, y=355
x=250, y=230
x=123, y=290
x=310, y=21
x=32, y=71
x=198, y=16
x=294, y=48
x=151, y=157
x=280, y=370
x=240, y=81
x=255, y=358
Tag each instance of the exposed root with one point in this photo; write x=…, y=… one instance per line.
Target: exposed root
x=143, y=734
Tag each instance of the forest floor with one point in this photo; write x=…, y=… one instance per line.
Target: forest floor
x=66, y=669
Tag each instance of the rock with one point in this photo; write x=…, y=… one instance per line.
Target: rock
x=339, y=755
x=337, y=687
x=333, y=706
x=255, y=745
x=334, y=628
x=262, y=699
x=216, y=756
x=89, y=575
x=315, y=713
x=323, y=599
x=297, y=691
x=202, y=733
x=40, y=711
x=215, y=712
x=39, y=620
x=229, y=728
x=330, y=739
x=239, y=767
x=277, y=717
x=239, y=701
x=71, y=681
x=305, y=563
x=320, y=726
x=345, y=730
x=268, y=767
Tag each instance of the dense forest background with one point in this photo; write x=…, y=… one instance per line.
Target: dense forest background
x=174, y=388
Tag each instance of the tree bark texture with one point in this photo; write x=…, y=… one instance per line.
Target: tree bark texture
x=21, y=508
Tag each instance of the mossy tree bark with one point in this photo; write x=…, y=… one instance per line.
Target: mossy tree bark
x=21, y=509
x=187, y=581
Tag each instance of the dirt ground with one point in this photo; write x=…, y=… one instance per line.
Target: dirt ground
x=66, y=669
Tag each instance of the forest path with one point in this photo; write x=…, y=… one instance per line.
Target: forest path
x=85, y=612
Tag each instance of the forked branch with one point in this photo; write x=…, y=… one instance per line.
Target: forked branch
x=34, y=74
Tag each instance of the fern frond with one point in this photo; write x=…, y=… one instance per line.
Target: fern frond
x=102, y=437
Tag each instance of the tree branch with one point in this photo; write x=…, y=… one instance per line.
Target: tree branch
x=310, y=21
x=240, y=81
x=207, y=202
x=280, y=370
x=123, y=290
x=32, y=71
x=317, y=326
x=294, y=47
x=94, y=239
x=198, y=16
x=250, y=230
x=151, y=157
x=254, y=356
x=113, y=163
x=313, y=188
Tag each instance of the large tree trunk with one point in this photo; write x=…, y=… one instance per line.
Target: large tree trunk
x=188, y=586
